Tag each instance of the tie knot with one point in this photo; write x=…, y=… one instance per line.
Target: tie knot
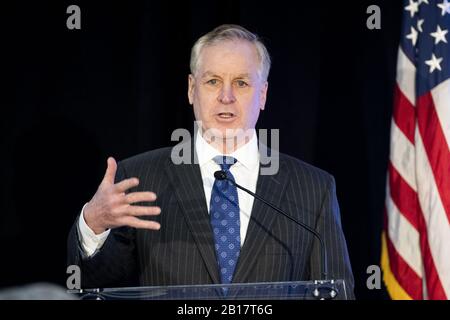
x=225, y=162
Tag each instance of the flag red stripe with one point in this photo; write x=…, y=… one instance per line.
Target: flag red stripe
x=436, y=147
x=404, y=197
x=434, y=284
x=406, y=200
x=404, y=114
x=406, y=277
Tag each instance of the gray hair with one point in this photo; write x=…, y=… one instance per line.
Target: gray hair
x=227, y=32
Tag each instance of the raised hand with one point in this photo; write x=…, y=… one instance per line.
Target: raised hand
x=111, y=207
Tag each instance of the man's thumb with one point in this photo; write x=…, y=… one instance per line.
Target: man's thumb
x=110, y=171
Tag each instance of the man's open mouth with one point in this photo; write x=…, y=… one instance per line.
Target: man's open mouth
x=226, y=115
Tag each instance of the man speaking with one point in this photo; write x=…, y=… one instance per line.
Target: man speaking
x=154, y=221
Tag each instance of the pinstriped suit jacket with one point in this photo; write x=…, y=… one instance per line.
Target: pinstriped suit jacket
x=182, y=251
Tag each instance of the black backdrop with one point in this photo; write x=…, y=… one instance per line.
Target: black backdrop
x=118, y=87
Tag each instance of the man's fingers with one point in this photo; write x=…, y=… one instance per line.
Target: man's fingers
x=140, y=197
x=110, y=171
x=141, y=224
x=126, y=184
x=143, y=211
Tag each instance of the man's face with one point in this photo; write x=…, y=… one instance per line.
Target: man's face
x=226, y=91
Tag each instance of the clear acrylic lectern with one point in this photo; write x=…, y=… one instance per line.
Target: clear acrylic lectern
x=296, y=290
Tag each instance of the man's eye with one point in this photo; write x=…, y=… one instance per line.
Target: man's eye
x=212, y=81
x=241, y=83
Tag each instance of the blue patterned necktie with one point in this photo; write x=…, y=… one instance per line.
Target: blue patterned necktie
x=224, y=215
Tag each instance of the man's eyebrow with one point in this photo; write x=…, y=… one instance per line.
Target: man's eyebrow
x=209, y=74
x=243, y=75
x=239, y=76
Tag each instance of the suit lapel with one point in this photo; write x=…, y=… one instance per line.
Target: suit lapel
x=188, y=188
x=271, y=188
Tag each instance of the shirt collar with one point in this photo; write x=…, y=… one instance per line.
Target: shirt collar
x=247, y=155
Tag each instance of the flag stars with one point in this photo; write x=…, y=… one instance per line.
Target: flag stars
x=413, y=7
x=434, y=63
x=439, y=35
x=419, y=24
x=445, y=7
x=412, y=36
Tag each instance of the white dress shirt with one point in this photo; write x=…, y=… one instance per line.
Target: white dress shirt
x=245, y=172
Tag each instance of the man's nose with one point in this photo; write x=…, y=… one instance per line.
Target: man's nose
x=226, y=95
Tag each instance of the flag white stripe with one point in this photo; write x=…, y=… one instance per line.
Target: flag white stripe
x=406, y=75
x=404, y=237
x=402, y=155
x=438, y=228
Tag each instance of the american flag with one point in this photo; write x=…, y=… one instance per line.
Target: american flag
x=416, y=237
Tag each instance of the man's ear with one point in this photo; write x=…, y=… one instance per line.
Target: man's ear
x=191, y=87
x=263, y=96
